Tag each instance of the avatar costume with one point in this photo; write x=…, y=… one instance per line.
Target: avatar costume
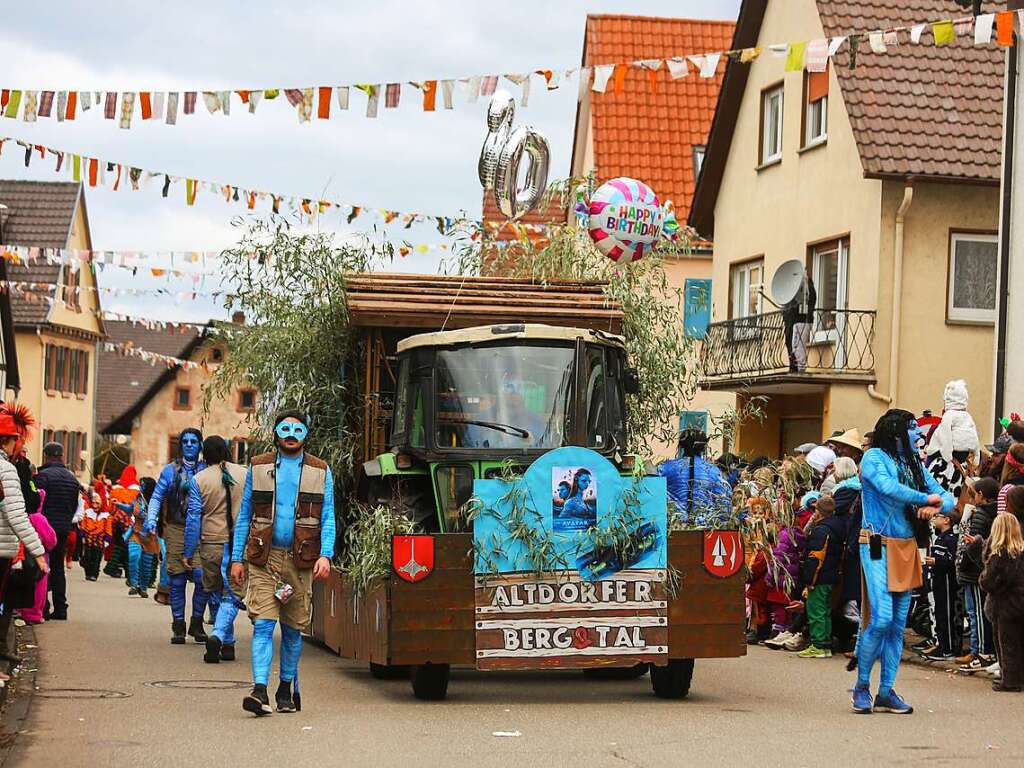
x=895, y=485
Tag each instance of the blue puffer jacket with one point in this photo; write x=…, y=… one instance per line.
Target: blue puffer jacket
x=823, y=556
x=711, y=499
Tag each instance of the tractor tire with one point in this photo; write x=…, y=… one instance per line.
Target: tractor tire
x=430, y=681
x=389, y=671
x=616, y=673
x=672, y=681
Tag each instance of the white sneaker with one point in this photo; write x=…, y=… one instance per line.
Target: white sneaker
x=779, y=640
x=796, y=643
x=992, y=670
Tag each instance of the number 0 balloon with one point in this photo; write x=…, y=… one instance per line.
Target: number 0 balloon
x=502, y=156
x=625, y=219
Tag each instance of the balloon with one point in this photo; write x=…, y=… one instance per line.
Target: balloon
x=625, y=219
x=502, y=155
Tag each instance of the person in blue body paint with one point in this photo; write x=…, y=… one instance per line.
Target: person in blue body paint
x=695, y=486
x=283, y=539
x=214, y=500
x=898, y=498
x=170, y=504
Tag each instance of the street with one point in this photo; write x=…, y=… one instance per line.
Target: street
x=111, y=688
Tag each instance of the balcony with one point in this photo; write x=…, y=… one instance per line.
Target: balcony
x=750, y=353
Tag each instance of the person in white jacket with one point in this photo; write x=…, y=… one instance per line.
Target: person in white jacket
x=15, y=527
x=954, y=443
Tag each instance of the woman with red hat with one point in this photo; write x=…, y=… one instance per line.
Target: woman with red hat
x=15, y=527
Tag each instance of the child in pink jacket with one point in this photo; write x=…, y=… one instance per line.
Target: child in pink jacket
x=48, y=537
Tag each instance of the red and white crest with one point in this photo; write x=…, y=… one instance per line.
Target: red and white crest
x=412, y=557
x=723, y=553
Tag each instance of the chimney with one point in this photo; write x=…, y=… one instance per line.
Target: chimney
x=238, y=318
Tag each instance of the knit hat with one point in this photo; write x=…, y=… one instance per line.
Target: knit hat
x=809, y=497
x=955, y=395
x=826, y=506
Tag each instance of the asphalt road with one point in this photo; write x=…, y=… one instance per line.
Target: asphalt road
x=163, y=706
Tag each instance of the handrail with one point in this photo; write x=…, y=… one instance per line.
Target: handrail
x=839, y=341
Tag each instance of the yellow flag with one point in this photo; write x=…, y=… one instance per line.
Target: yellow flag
x=795, y=57
x=943, y=32
x=747, y=55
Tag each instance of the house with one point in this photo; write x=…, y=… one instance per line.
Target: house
x=882, y=180
x=145, y=406
x=57, y=322
x=655, y=135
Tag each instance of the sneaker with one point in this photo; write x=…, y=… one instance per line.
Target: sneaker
x=892, y=703
x=965, y=659
x=797, y=643
x=861, y=700
x=143, y=594
x=227, y=652
x=998, y=686
x=132, y=592
x=257, y=702
x=779, y=640
x=814, y=652
x=993, y=671
x=213, y=648
x=283, y=697
x=976, y=664
x=938, y=655
x=924, y=645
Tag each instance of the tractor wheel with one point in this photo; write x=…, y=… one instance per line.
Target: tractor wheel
x=616, y=673
x=430, y=681
x=672, y=681
x=389, y=671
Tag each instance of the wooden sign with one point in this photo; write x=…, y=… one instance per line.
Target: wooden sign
x=523, y=622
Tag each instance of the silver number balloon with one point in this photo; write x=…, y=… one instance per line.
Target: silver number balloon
x=512, y=201
x=502, y=155
x=500, y=113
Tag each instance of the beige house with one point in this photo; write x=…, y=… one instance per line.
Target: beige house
x=670, y=123
x=882, y=181
x=145, y=407
x=57, y=319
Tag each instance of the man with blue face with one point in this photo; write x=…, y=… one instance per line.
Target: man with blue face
x=284, y=538
x=168, y=510
x=899, y=497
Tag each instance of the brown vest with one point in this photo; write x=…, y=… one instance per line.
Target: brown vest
x=211, y=487
x=309, y=504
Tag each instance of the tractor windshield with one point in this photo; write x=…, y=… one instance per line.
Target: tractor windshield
x=504, y=396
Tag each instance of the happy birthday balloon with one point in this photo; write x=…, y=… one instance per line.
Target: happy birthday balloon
x=625, y=219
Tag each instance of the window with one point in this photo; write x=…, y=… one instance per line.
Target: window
x=172, y=448
x=973, y=276
x=182, y=399
x=828, y=263
x=746, y=282
x=771, y=125
x=66, y=369
x=58, y=381
x=240, y=450
x=73, y=444
x=216, y=354
x=246, y=400
x=597, y=416
x=698, y=159
x=815, y=108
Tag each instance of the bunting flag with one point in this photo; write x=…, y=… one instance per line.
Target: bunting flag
x=32, y=105
x=126, y=349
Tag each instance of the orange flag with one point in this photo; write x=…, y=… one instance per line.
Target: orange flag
x=429, y=95
x=1004, y=28
x=94, y=167
x=652, y=75
x=147, y=105
x=323, y=110
x=620, y=77
x=72, y=103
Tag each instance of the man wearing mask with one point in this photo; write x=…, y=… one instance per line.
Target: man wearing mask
x=285, y=536
x=214, y=499
x=170, y=504
x=61, y=504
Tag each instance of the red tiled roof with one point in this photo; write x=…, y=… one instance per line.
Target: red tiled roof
x=920, y=109
x=553, y=214
x=651, y=136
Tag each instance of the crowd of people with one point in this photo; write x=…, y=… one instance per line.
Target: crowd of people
x=251, y=538
x=823, y=519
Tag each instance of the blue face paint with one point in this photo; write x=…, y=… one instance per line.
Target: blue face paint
x=190, y=446
x=295, y=429
x=916, y=435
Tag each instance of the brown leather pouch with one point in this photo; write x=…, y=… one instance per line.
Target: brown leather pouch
x=306, y=542
x=257, y=548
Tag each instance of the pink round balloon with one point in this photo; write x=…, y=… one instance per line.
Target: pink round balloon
x=625, y=219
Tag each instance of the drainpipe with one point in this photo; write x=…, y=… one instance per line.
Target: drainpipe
x=897, y=296
x=1005, y=245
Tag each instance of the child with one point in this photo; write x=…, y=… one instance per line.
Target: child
x=34, y=613
x=942, y=562
x=1003, y=582
x=969, y=569
x=820, y=572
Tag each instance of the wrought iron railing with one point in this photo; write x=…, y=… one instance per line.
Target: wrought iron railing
x=838, y=342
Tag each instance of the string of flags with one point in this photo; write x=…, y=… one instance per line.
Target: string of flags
x=127, y=107
x=157, y=325
x=125, y=349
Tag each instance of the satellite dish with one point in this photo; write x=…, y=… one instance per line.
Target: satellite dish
x=787, y=281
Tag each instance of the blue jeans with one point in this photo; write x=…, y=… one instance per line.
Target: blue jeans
x=981, y=628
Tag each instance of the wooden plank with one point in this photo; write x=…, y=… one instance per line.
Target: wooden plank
x=709, y=641
x=415, y=620
x=707, y=605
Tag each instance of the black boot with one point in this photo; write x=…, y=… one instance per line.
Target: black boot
x=227, y=652
x=178, y=632
x=143, y=593
x=213, y=645
x=283, y=697
x=195, y=629
x=257, y=702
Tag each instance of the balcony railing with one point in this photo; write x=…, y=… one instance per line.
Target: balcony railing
x=839, y=345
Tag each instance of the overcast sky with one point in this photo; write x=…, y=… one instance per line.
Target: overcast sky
x=404, y=160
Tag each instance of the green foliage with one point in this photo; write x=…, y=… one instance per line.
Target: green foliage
x=294, y=343
x=368, y=544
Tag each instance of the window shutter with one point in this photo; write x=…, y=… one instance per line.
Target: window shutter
x=817, y=86
x=83, y=373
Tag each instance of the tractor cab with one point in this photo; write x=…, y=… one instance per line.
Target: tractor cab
x=470, y=402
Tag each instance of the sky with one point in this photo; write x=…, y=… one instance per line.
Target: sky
x=404, y=160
